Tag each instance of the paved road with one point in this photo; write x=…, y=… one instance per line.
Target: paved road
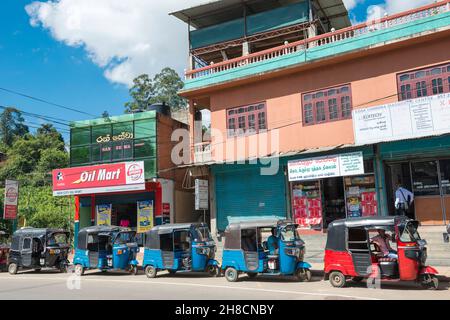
x=97, y=285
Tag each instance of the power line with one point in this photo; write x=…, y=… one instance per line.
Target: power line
x=42, y=117
x=45, y=101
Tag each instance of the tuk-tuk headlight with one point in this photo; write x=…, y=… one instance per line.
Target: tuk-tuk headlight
x=119, y=252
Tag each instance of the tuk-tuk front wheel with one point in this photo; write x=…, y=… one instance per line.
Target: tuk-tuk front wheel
x=231, y=274
x=133, y=270
x=213, y=271
x=12, y=268
x=150, y=271
x=79, y=270
x=303, y=275
x=337, y=279
x=429, y=281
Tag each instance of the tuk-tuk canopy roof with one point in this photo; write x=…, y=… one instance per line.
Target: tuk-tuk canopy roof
x=104, y=229
x=37, y=232
x=168, y=228
x=368, y=222
x=337, y=230
x=263, y=223
x=152, y=237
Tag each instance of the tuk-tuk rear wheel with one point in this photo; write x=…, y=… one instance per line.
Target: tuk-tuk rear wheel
x=12, y=268
x=231, y=274
x=150, y=271
x=337, y=279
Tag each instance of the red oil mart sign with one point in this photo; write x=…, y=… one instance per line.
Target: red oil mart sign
x=116, y=177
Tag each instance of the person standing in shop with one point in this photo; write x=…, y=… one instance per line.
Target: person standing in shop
x=403, y=200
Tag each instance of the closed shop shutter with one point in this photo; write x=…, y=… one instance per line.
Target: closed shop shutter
x=246, y=194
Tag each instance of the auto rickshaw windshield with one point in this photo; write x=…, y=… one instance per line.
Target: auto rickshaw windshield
x=408, y=232
x=58, y=239
x=125, y=237
x=289, y=233
x=203, y=234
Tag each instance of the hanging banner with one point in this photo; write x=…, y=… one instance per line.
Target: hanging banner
x=104, y=212
x=11, y=200
x=115, y=177
x=145, y=216
x=407, y=119
x=342, y=165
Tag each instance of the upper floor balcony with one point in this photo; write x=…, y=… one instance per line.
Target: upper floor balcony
x=390, y=29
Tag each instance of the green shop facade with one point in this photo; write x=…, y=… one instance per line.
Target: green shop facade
x=422, y=165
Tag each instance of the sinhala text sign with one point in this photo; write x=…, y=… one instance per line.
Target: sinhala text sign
x=11, y=200
x=403, y=120
x=347, y=164
x=201, y=194
x=115, y=177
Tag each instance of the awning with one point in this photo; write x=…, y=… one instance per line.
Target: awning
x=216, y=12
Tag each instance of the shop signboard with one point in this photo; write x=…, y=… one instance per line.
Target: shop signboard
x=166, y=212
x=408, y=119
x=116, y=177
x=104, y=213
x=11, y=200
x=145, y=216
x=347, y=164
x=201, y=194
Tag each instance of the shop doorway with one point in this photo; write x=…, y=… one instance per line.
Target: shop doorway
x=398, y=173
x=333, y=199
x=429, y=180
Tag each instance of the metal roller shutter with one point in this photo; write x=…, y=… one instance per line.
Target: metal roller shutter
x=245, y=194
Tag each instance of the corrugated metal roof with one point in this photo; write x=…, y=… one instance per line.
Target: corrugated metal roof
x=216, y=12
x=335, y=11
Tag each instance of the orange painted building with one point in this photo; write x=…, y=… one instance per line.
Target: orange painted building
x=305, y=92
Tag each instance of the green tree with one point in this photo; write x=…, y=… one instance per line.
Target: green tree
x=31, y=158
x=166, y=84
x=141, y=92
x=11, y=126
x=163, y=88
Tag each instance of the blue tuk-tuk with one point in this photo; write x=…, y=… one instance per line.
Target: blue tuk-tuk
x=106, y=248
x=246, y=250
x=186, y=247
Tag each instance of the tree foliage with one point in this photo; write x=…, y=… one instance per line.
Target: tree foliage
x=163, y=88
x=30, y=159
x=11, y=126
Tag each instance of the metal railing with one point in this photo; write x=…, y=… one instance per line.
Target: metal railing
x=330, y=37
x=202, y=152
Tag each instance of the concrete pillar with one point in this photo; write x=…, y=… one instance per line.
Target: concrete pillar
x=191, y=62
x=246, y=48
x=212, y=202
x=312, y=32
x=380, y=181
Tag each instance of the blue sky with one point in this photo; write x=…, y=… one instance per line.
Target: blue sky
x=84, y=76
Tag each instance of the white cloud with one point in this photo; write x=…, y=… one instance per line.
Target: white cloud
x=126, y=38
x=350, y=4
x=394, y=6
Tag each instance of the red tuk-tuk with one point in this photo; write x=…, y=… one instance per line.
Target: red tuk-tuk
x=352, y=254
x=4, y=250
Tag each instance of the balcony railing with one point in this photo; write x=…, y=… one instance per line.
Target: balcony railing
x=331, y=37
x=202, y=152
